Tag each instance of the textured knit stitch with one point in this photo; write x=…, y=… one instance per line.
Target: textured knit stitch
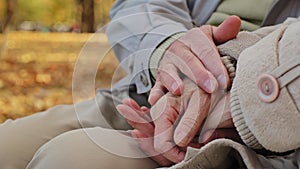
x=230, y=63
x=240, y=123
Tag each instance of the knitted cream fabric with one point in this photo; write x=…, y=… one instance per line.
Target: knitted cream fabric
x=219, y=154
x=273, y=126
x=235, y=47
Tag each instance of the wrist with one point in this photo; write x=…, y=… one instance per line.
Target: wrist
x=159, y=52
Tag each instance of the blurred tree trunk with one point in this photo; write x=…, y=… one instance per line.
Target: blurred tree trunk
x=87, y=16
x=10, y=8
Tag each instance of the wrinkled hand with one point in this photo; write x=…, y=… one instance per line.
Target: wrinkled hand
x=143, y=129
x=177, y=120
x=219, y=123
x=139, y=118
x=160, y=141
x=194, y=118
x=196, y=56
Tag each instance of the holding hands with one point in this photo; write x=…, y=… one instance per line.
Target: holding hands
x=181, y=107
x=176, y=122
x=158, y=124
x=196, y=56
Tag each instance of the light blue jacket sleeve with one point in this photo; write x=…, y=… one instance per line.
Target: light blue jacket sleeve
x=138, y=27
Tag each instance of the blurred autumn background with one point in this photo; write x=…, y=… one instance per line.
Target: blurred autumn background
x=40, y=41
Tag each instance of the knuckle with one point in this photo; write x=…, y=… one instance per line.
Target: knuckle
x=175, y=46
x=188, y=123
x=205, y=53
x=190, y=59
x=159, y=108
x=159, y=146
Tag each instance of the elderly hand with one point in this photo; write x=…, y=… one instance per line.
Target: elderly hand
x=161, y=141
x=194, y=117
x=139, y=118
x=196, y=56
x=219, y=123
x=177, y=120
x=165, y=115
x=143, y=129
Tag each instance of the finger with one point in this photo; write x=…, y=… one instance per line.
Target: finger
x=226, y=120
x=132, y=103
x=209, y=55
x=169, y=78
x=156, y=92
x=143, y=111
x=135, y=120
x=175, y=155
x=130, y=114
x=164, y=144
x=211, y=135
x=147, y=146
x=227, y=30
x=224, y=32
x=166, y=109
x=163, y=131
x=219, y=116
x=208, y=52
x=190, y=65
x=192, y=118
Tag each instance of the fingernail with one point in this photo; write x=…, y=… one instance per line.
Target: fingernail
x=151, y=96
x=180, y=135
x=150, y=99
x=174, y=87
x=222, y=81
x=211, y=85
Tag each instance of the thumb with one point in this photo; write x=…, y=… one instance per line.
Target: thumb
x=227, y=30
x=192, y=119
x=156, y=92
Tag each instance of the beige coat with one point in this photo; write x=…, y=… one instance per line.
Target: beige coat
x=265, y=103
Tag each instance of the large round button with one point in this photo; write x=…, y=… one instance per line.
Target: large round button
x=268, y=88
